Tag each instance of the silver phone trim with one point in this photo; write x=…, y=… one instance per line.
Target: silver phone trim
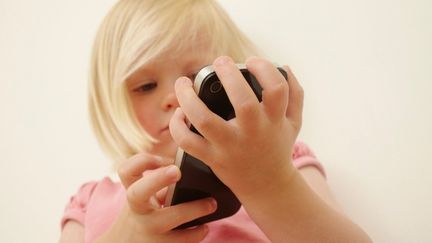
x=199, y=78
x=170, y=191
x=205, y=71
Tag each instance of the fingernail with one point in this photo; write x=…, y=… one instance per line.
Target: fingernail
x=213, y=204
x=183, y=80
x=222, y=60
x=172, y=171
x=252, y=58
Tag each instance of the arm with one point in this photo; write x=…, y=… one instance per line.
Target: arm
x=316, y=181
x=73, y=232
x=292, y=210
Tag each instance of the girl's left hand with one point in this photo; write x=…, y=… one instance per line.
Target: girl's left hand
x=252, y=151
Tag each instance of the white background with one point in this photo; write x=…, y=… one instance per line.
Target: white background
x=365, y=67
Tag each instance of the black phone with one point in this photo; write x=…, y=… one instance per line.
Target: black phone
x=198, y=180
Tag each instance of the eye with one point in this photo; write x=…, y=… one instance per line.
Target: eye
x=145, y=88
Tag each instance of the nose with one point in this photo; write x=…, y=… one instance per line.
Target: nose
x=170, y=101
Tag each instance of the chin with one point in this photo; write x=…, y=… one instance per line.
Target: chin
x=167, y=150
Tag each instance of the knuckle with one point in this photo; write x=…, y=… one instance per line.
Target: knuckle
x=298, y=125
x=255, y=61
x=127, y=170
x=122, y=171
x=132, y=194
x=177, y=217
x=126, y=166
x=184, y=142
x=156, y=228
x=279, y=90
x=203, y=123
x=247, y=108
x=300, y=92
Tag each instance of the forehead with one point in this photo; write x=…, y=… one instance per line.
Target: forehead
x=187, y=55
x=194, y=53
x=184, y=62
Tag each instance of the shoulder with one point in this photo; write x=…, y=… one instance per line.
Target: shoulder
x=301, y=149
x=87, y=194
x=303, y=156
x=88, y=189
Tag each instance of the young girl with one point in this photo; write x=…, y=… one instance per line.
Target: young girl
x=145, y=55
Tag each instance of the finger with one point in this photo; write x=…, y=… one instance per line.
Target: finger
x=204, y=120
x=140, y=192
x=160, y=195
x=132, y=169
x=173, y=216
x=196, y=234
x=189, y=141
x=241, y=95
x=296, y=96
x=275, y=87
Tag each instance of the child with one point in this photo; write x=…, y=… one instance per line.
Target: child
x=144, y=58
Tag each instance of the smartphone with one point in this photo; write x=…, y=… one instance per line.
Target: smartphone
x=198, y=180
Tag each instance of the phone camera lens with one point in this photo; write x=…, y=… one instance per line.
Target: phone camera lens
x=215, y=87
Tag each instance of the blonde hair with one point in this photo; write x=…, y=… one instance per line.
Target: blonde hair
x=133, y=33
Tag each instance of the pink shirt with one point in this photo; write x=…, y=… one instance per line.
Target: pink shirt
x=97, y=204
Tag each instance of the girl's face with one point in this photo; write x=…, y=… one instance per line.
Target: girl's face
x=151, y=90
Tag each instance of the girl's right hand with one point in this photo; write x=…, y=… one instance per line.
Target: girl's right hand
x=143, y=219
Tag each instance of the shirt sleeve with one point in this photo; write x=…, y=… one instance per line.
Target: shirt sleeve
x=303, y=157
x=77, y=205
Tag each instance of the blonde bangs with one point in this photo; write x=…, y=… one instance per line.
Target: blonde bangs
x=172, y=25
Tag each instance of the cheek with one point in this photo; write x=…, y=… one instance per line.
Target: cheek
x=147, y=118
